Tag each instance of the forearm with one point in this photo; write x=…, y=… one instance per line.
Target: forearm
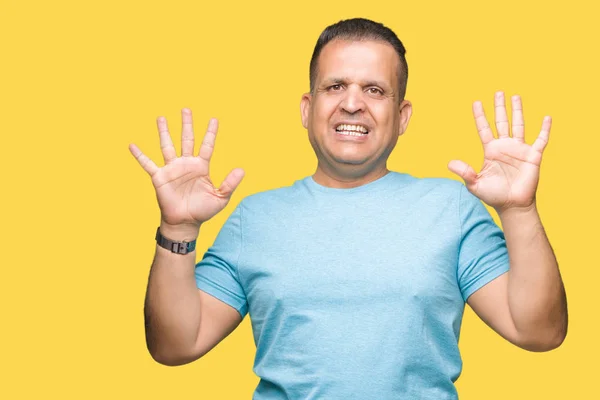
x=536, y=295
x=172, y=306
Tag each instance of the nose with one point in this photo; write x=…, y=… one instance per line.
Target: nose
x=353, y=100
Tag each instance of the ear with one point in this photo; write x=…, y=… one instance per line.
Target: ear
x=405, y=110
x=305, y=108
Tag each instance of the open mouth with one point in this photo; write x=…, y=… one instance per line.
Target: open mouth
x=351, y=130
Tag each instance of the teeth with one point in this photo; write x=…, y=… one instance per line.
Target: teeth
x=351, y=128
x=350, y=133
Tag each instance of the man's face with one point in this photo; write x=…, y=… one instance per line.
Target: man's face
x=354, y=115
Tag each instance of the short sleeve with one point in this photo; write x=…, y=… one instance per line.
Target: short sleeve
x=482, y=253
x=217, y=272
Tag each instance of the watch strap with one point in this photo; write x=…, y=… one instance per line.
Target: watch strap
x=175, y=247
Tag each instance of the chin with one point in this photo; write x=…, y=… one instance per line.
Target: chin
x=350, y=161
x=352, y=158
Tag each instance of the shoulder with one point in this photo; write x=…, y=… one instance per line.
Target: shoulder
x=274, y=199
x=444, y=187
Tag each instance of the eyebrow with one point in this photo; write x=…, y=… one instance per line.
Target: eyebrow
x=339, y=80
x=332, y=81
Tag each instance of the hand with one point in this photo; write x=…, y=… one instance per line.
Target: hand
x=186, y=195
x=511, y=168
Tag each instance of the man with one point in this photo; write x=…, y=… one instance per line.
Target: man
x=355, y=278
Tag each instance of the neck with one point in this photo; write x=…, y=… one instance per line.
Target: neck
x=347, y=179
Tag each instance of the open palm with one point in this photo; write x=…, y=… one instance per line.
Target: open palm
x=185, y=193
x=511, y=168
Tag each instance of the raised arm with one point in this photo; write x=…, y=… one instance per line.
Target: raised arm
x=527, y=305
x=183, y=323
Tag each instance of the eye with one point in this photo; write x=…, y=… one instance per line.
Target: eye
x=374, y=90
x=335, y=88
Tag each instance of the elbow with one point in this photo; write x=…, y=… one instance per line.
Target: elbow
x=168, y=355
x=544, y=346
x=171, y=359
x=544, y=335
x=548, y=341
x=558, y=338
x=164, y=359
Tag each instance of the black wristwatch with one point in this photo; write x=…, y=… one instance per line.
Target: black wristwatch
x=175, y=247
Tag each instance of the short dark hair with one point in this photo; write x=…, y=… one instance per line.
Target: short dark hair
x=357, y=29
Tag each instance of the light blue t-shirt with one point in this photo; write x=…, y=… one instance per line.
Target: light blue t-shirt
x=355, y=293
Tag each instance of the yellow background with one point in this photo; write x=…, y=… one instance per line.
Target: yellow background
x=79, y=81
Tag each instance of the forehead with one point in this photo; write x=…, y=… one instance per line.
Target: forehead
x=363, y=60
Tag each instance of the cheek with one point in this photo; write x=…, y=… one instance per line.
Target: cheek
x=380, y=112
x=323, y=110
x=384, y=116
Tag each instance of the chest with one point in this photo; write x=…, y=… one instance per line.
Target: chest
x=327, y=262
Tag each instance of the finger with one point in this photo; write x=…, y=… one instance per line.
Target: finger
x=143, y=159
x=518, y=124
x=485, y=132
x=230, y=183
x=501, y=116
x=166, y=144
x=544, y=136
x=208, y=143
x=187, y=133
x=464, y=170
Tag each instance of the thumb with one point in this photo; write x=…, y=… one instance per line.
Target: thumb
x=230, y=183
x=464, y=170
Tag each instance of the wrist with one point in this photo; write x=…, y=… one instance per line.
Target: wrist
x=179, y=232
x=510, y=213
